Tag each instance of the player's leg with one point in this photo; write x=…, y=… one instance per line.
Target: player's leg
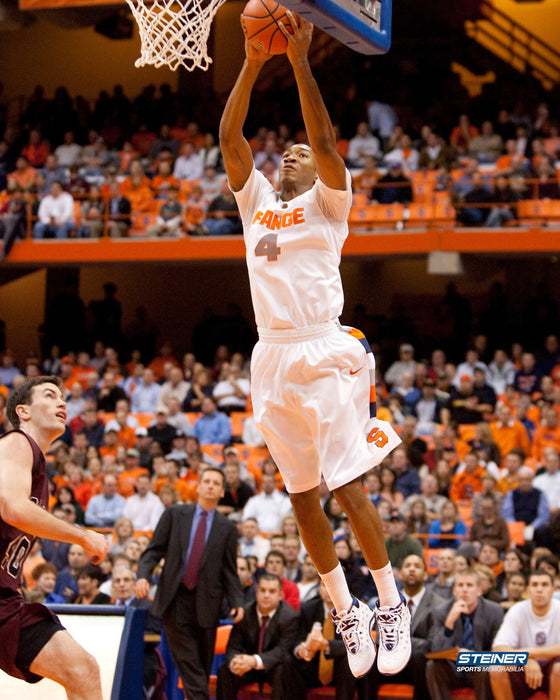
x=554, y=682
x=64, y=661
x=501, y=687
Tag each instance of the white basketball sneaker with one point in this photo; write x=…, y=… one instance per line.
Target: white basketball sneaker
x=393, y=638
x=381, y=439
x=354, y=626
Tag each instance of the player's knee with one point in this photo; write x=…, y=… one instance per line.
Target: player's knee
x=82, y=671
x=555, y=671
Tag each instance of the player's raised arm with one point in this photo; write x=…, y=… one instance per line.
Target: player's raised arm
x=18, y=510
x=236, y=152
x=320, y=131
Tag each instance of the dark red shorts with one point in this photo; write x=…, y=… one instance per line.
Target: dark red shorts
x=521, y=690
x=25, y=628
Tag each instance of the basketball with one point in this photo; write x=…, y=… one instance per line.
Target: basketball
x=260, y=20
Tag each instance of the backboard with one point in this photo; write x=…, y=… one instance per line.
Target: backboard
x=363, y=25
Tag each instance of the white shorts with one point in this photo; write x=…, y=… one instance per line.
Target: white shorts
x=311, y=390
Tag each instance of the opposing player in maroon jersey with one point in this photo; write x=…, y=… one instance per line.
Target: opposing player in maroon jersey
x=33, y=642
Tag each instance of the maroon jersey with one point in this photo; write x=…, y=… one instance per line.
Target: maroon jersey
x=15, y=544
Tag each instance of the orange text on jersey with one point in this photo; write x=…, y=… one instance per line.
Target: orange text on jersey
x=274, y=221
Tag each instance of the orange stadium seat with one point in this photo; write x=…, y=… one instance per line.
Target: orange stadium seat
x=237, y=418
x=533, y=211
x=431, y=557
x=422, y=185
x=215, y=451
x=359, y=199
x=516, y=532
x=140, y=221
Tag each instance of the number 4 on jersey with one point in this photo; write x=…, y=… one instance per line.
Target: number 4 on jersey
x=267, y=245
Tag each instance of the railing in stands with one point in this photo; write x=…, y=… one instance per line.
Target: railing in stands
x=513, y=43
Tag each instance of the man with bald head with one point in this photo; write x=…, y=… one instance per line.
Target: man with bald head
x=527, y=504
x=429, y=494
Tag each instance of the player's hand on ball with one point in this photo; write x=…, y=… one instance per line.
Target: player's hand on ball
x=255, y=54
x=299, y=36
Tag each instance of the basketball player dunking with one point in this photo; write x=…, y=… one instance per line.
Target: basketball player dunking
x=311, y=379
x=33, y=642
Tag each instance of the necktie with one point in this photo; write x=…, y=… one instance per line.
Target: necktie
x=326, y=666
x=468, y=642
x=411, y=607
x=262, y=631
x=197, y=549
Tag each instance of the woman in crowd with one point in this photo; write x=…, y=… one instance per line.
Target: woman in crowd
x=418, y=523
x=360, y=583
x=124, y=532
x=389, y=487
x=516, y=585
x=65, y=496
x=515, y=562
x=448, y=524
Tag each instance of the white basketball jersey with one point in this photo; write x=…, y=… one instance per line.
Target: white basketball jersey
x=293, y=251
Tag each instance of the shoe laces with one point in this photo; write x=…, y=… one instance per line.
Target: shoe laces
x=388, y=623
x=347, y=627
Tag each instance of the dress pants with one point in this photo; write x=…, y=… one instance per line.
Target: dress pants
x=442, y=677
x=191, y=646
x=298, y=676
x=414, y=673
x=229, y=683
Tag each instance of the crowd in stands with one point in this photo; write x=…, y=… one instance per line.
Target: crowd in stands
x=117, y=170
x=475, y=483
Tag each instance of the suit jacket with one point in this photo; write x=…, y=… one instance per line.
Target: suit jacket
x=217, y=575
x=124, y=207
x=487, y=619
x=314, y=611
x=423, y=621
x=279, y=637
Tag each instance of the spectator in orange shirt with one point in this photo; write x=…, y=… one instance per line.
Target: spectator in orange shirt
x=164, y=180
x=165, y=355
x=513, y=462
x=108, y=449
x=186, y=491
x=36, y=150
x=128, y=477
x=125, y=430
x=509, y=433
x=23, y=176
x=547, y=434
x=462, y=134
x=82, y=368
x=469, y=481
x=95, y=475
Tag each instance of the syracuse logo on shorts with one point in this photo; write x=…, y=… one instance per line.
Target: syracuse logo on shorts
x=377, y=437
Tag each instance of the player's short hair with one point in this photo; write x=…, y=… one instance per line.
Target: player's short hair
x=275, y=553
x=540, y=572
x=217, y=470
x=21, y=396
x=271, y=577
x=468, y=572
x=44, y=568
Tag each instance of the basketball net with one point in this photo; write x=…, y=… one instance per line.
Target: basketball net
x=174, y=32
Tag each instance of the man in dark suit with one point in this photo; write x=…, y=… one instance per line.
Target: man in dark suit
x=199, y=546
x=467, y=621
x=259, y=644
x=421, y=602
x=319, y=657
x=119, y=209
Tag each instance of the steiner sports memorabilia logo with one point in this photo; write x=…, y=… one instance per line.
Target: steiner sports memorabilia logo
x=483, y=660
